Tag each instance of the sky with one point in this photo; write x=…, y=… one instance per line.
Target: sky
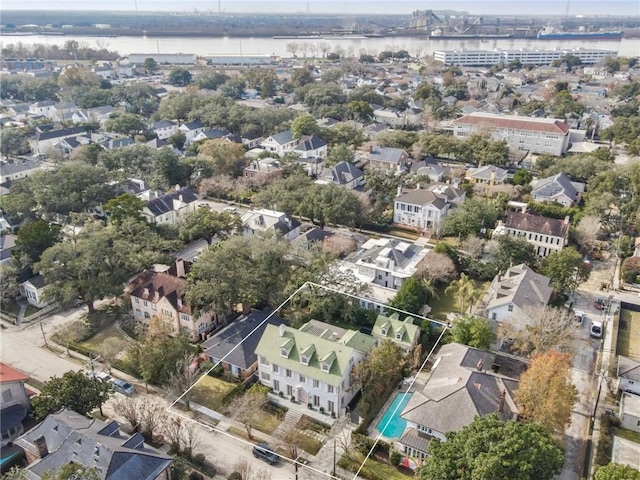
x=504, y=7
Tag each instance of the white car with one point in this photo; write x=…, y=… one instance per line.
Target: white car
x=230, y=209
x=578, y=317
x=596, y=329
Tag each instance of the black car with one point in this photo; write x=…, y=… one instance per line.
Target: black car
x=264, y=452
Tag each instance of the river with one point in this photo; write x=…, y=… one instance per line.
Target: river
x=351, y=46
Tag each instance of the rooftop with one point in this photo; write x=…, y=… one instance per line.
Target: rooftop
x=537, y=224
x=543, y=125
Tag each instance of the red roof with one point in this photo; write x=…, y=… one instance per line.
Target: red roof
x=8, y=374
x=516, y=123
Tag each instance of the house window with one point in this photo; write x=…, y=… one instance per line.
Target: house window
x=145, y=303
x=284, y=352
x=137, y=300
x=316, y=384
x=510, y=308
x=331, y=407
x=398, y=336
x=184, y=317
x=276, y=386
x=265, y=376
x=264, y=361
x=304, y=360
x=154, y=306
x=330, y=388
x=303, y=379
x=289, y=390
x=383, y=331
x=138, y=313
x=316, y=401
x=276, y=369
x=494, y=315
x=6, y=395
x=146, y=315
x=325, y=367
x=289, y=374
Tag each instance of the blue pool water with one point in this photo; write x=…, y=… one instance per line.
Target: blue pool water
x=396, y=425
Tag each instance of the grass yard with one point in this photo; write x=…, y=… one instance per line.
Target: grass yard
x=108, y=331
x=309, y=444
x=627, y=434
x=11, y=307
x=373, y=469
x=267, y=422
x=448, y=302
x=629, y=334
x=210, y=391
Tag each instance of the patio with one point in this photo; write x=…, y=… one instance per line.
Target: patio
x=302, y=409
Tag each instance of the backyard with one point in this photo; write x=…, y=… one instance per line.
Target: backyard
x=448, y=302
x=373, y=469
x=629, y=334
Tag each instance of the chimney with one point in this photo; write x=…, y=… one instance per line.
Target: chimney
x=179, y=301
x=502, y=398
x=566, y=220
x=177, y=187
x=479, y=365
x=41, y=445
x=417, y=186
x=281, y=330
x=145, y=294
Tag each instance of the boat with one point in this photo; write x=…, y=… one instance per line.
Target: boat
x=550, y=34
x=437, y=34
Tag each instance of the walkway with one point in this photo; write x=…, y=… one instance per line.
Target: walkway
x=23, y=308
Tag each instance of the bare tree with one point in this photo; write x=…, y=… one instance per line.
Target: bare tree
x=247, y=407
x=539, y=329
x=324, y=48
x=184, y=376
x=110, y=349
x=129, y=409
x=152, y=416
x=587, y=232
x=438, y=267
x=304, y=47
x=218, y=186
x=190, y=438
x=473, y=246
x=313, y=49
x=292, y=48
x=244, y=468
x=172, y=430
x=262, y=474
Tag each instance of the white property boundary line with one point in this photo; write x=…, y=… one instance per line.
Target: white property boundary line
x=335, y=290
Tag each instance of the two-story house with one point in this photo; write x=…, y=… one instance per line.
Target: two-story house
x=311, y=146
x=488, y=176
x=426, y=209
x=263, y=170
x=160, y=294
x=164, y=128
x=547, y=235
x=386, y=261
x=628, y=373
x=465, y=382
x=280, y=143
x=15, y=403
x=343, y=174
x=387, y=158
x=401, y=332
x=42, y=143
x=191, y=130
x=66, y=436
x=559, y=189
x=312, y=365
x=172, y=207
x=263, y=220
x=512, y=294
x=14, y=169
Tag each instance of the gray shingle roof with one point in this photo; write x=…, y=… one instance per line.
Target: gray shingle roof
x=193, y=125
x=552, y=186
x=386, y=155
x=485, y=172
x=423, y=197
x=65, y=132
x=282, y=138
x=344, y=172
x=226, y=340
x=521, y=286
x=162, y=124
x=164, y=204
x=309, y=143
x=93, y=443
x=12, y=167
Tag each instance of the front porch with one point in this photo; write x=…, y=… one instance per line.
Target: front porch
x=303, y=409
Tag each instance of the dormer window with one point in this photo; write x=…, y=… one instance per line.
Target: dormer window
x=306, y=354
x=326, y=367
x=327, y=361
x=304, y=360
x=383, y=331
x=286, y=347
x=284, y=352
x=399, y=336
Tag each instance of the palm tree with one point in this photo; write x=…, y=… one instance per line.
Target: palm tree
x=430, y=288
x=465, y=290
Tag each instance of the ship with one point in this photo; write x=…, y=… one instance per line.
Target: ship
x=550, y=34
x=437, y=34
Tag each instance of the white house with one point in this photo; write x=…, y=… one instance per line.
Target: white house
x=547, y=235
x=33, y=291
x=263, y=220
x=511, y=294
x=425, y=209
x=386, y=262
x=156, y=294
x=15, y=403
x=46, y=108
x=343, y=174
x=19, y=168
x=191, y=130
x=311, y=146
x=559, y=189
x=628, y=375
x=312, y=365
x=42, y=143
x=394, y=118
x=630, y=411
x=401, y=332
x=527, y=134
x=164, y=128
x=172, y=207
x=279, y=143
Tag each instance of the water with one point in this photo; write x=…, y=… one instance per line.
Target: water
x=420, y=46
x=396, y=425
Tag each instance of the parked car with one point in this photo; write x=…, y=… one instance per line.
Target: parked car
x=596, y=329
x=123, y=387
x=264, y=452
x=599, y=304
x=578, y=317
x=230, y=209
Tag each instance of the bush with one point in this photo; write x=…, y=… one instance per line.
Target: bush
x=395, y=458
x=199, y=459
x=321, y=409
x=196, y=476
x=309, y=406
x=235, y=476
x=630, y=269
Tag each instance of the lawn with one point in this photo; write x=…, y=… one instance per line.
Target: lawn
x=210, y=391
x=108, y=331
x=448, y=302
x=267, y=422
x=629, y=334
x=627, y=434
x=309, y=444
x=373, y=469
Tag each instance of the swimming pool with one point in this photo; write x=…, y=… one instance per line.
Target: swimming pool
x=394, y=424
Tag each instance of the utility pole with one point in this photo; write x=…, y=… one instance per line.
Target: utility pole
x=44, y=336
x=334, y=457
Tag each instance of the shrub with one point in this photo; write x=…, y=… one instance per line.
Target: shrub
x=199, y=459
x=333, y=414
x=235, y=476
x=309, y=406
x=630, y=269
x=281, y=394
x=395, y=458
x=321, y=409
x=293, y=399
x=196, y=476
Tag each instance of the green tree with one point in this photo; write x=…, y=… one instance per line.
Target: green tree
x=177, y=105
x=411, y=296
x=225, y=158
x=35, y=237
x=150, y=65
x=10, y=286
x=465, y=290
x=360, y=110
x=232, y=88
x=470, y=217
x=211, y=80
x=343, y=134
x=124, y=206
x=522, y=176
x=207, y=224
x=339, y=153
x=169, y=170
x=180, y=77
x=304, y=125
x=177, y=140
x=124, y=123
x=564, y=104
x=13, y=141
x=73, y=390
x=473, y=331
x=566, y=269
x=545, y=394
x=491, y=448
x=616, y=471
x=513, y=251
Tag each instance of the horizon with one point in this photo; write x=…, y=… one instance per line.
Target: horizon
x=348, y=7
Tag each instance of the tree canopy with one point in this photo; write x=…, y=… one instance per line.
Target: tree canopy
x=207, y=224
x=473, y=331
x=566, y=269
x=616, y=471
x=491, y=448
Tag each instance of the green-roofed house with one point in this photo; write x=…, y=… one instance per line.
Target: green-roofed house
x=312, y=364
x=401, y=332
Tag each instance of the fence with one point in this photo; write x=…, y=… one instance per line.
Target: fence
x=46, y=311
